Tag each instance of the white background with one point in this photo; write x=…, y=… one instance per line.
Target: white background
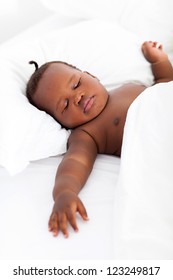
x=18, y=15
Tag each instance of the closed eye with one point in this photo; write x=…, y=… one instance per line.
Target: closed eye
x=78, y=84
x=66, y=105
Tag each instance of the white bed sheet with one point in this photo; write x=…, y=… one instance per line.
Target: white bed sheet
x=25, y=206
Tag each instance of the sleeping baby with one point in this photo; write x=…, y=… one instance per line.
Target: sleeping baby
x=97, y=117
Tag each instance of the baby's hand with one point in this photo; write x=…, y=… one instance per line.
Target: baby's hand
x=153, y=52
x=66, y=205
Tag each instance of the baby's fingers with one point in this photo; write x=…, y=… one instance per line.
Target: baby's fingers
x=57, y=223
x=82, y=211
x=71, y=215
x=63, y=224
x=53, y=224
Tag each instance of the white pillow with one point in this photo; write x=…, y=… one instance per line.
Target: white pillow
x=104, y=49
x=143, y=198
x=27, y=134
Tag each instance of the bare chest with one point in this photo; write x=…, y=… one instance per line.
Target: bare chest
x=108, y=128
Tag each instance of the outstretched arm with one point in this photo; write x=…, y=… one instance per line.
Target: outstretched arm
x=160, y=64
x=71, y=176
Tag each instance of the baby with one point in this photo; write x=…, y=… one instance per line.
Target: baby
x=97, y=117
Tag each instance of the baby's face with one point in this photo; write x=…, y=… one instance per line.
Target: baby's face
x=72, y=97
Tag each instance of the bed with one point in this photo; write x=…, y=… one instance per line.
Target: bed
x=129, y=200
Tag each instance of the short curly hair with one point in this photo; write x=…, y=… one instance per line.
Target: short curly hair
x=33, y=82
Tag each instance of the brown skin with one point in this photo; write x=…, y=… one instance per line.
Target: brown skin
x=78, y=100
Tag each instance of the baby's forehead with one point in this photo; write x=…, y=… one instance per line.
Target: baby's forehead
x=60, y=67
x=59, y=73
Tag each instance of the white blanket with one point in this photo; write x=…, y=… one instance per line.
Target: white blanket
x=144, y=206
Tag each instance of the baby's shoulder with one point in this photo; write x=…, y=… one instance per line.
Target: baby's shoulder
x=90, y=132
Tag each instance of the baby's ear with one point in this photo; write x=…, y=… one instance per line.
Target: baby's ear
x=90, y=75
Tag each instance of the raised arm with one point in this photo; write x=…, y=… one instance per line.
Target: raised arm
x=71, y=176
x=160, y=64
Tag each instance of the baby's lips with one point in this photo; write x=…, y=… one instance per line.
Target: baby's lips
x=88, y=104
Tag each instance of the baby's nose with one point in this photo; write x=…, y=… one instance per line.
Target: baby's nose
x=78, y=99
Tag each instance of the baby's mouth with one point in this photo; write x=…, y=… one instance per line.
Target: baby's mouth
x=88, y=104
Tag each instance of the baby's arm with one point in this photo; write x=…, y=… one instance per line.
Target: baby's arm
x=71, y=176
x=160, y=64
